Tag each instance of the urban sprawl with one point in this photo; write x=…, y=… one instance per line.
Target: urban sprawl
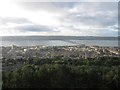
x=15, y=54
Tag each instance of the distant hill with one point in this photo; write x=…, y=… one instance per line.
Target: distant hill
x=58, y=38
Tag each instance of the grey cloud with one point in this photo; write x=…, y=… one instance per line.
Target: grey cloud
x=102, y=17
x=33, y=28
x=46, y=5
x=37, y=6
x=114, y=27
x=65, y=4
x=24, y=25
x=97, y=6
x=105, y=14
x=6, y=20
x=105, y=6
x=107, y=32
x=97, y=20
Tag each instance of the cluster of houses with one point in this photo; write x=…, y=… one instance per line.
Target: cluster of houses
x=81, y=51
x=15, y=56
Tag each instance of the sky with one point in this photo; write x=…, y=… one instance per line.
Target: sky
x=58, y=18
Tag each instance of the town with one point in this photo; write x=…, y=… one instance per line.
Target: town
x=81, y=51
x=15, y=56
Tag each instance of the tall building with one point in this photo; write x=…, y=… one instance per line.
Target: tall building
x=14, y=47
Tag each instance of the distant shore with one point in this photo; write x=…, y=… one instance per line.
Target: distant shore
x=66, y=37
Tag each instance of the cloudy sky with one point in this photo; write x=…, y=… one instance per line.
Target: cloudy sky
x=59, y=18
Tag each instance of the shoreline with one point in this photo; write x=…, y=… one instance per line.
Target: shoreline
x=59, y=46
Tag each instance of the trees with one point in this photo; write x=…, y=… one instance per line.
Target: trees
x=89, y=73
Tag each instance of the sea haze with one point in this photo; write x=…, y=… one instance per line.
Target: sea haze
x=58, y=40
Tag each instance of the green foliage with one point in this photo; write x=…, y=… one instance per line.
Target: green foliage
x=57, y=73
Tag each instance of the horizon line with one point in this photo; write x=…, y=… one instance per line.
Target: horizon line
x=56, y=36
